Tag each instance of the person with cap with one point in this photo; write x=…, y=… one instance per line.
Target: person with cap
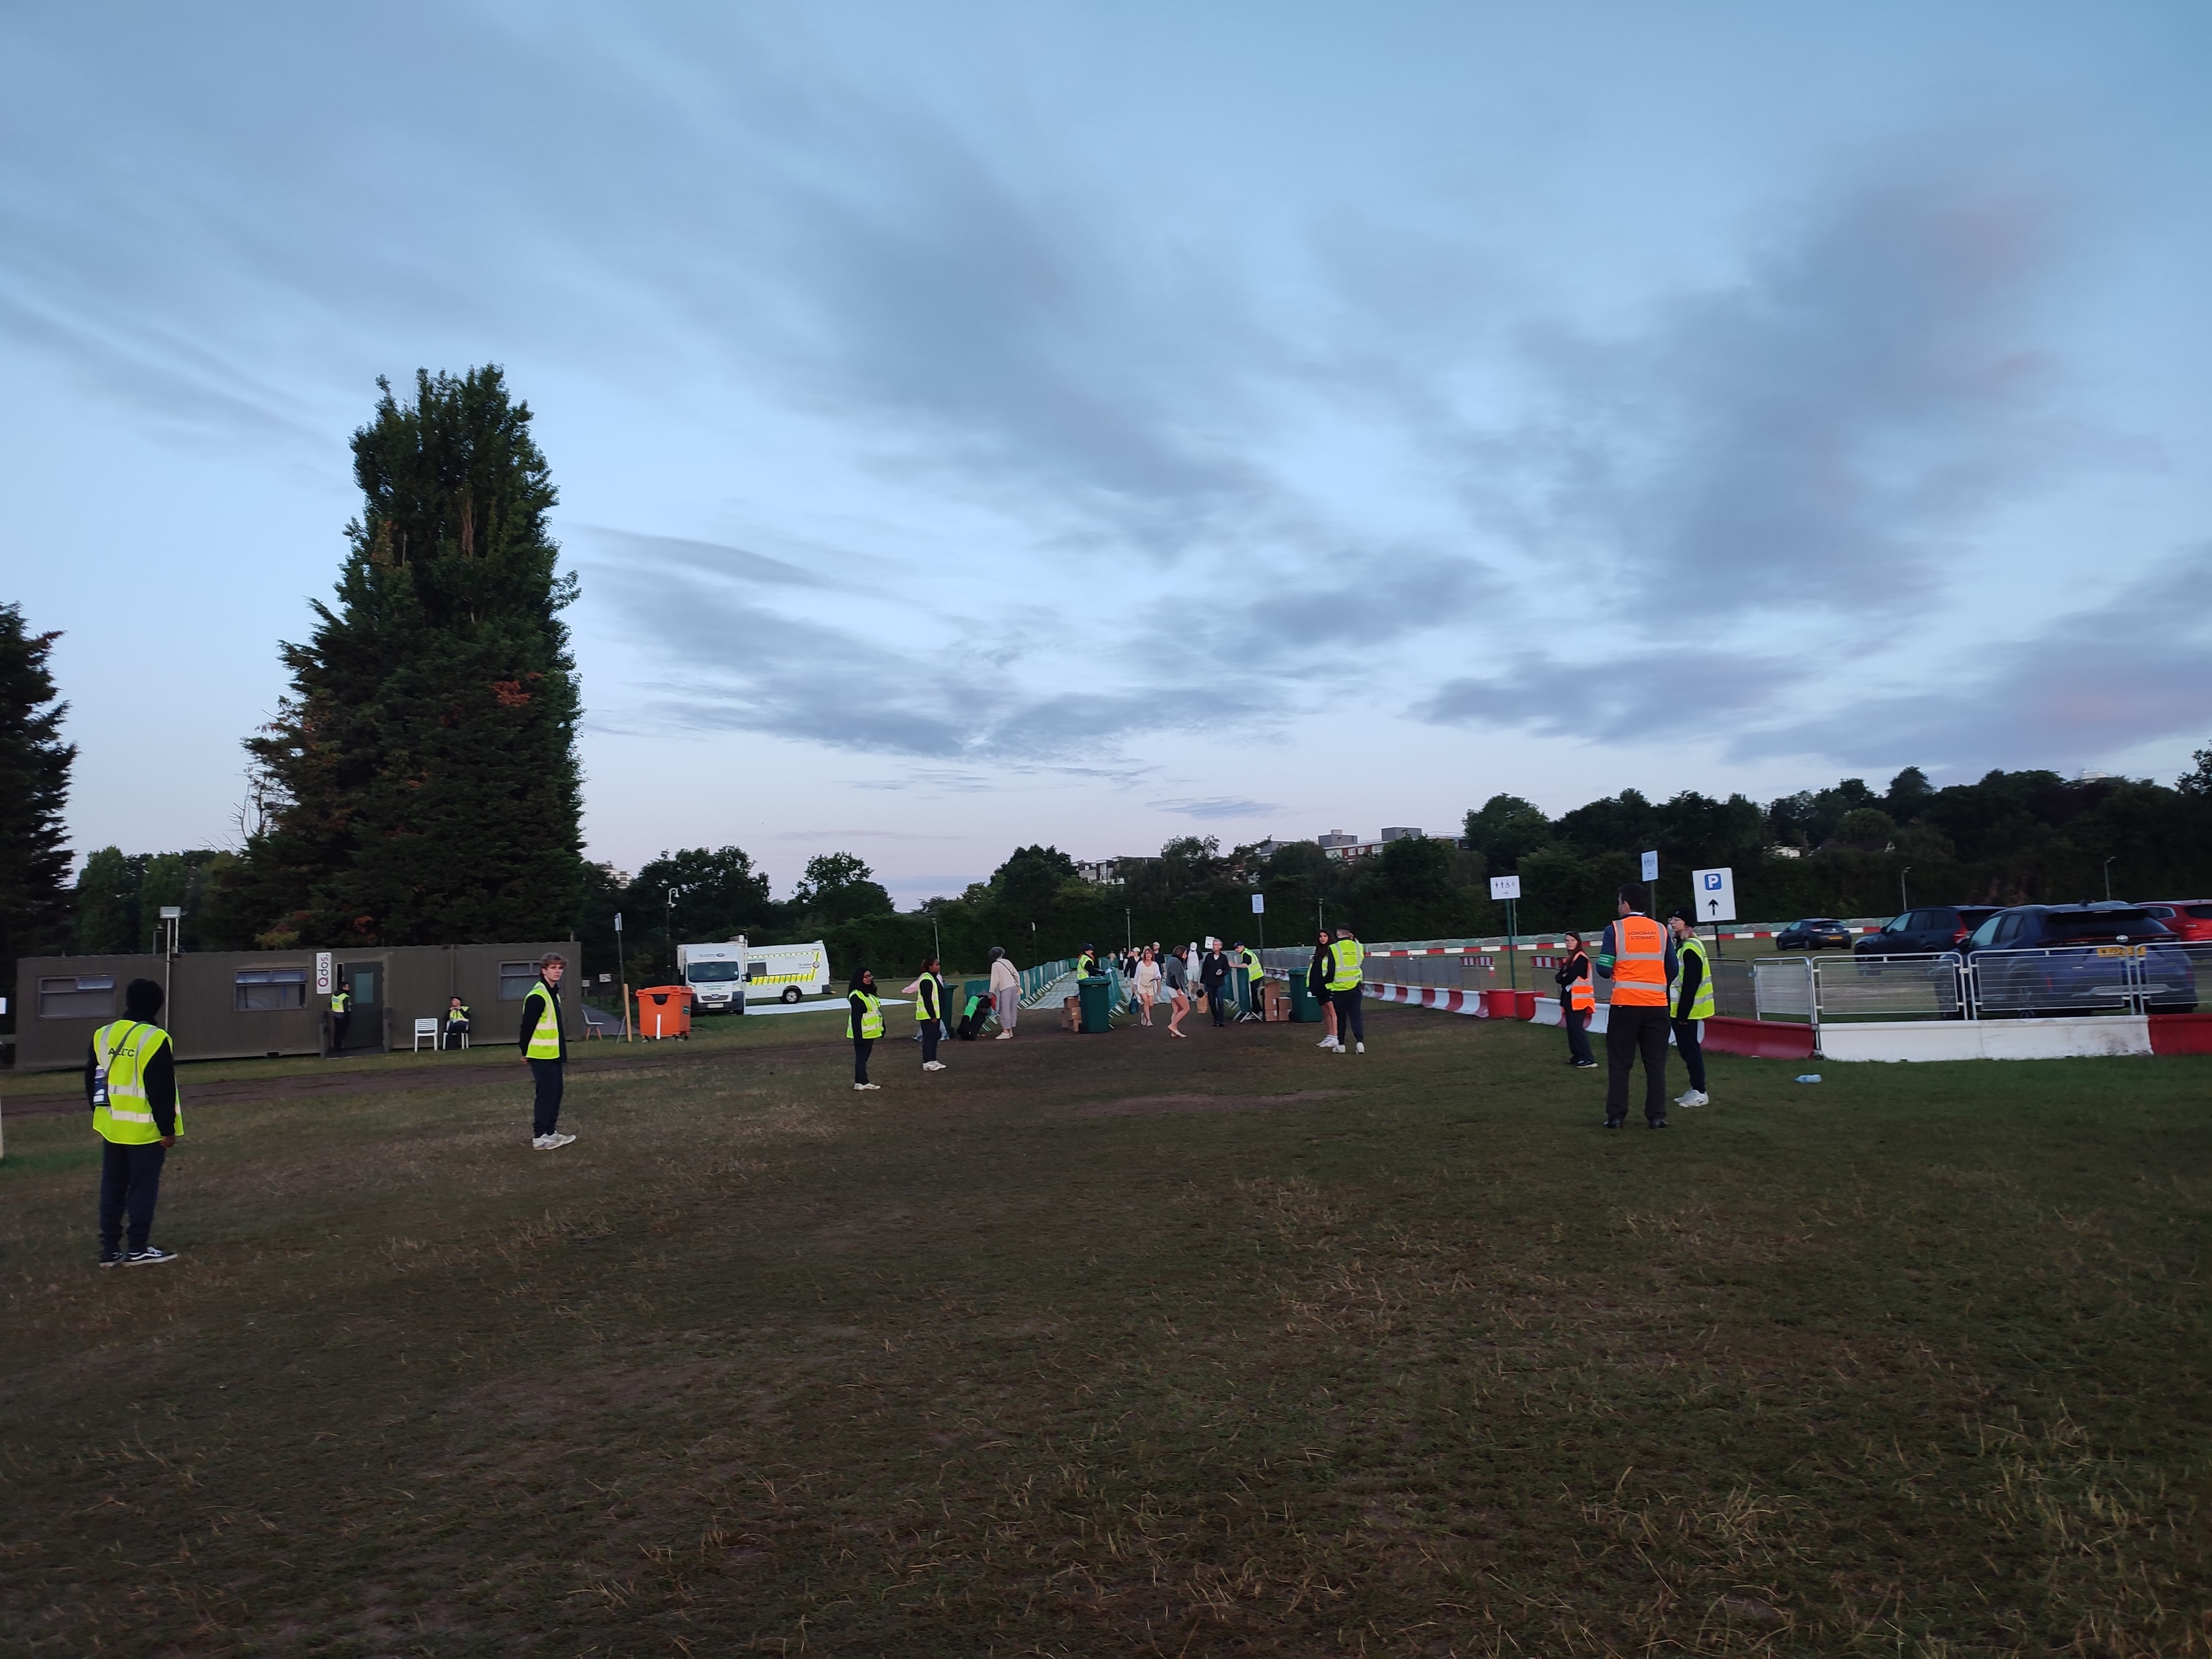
x=1692, y=987
x=457, y=1023
x=1250, y=978
x=1087, y=965
x=130, y=1082
x=1345, y=989
x=545, y=1051
x=1637, y=955
x=1578, y=1001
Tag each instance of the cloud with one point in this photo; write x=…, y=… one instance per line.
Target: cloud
x=1820, y=434
x=711, y=558
x=1217, y=807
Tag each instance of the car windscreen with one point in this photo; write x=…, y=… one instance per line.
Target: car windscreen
x=2102, y=924
x=715, y=973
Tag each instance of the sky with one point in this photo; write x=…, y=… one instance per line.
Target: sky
x=983, y=424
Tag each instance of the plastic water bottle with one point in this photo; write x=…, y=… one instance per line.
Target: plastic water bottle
x=1808, y=1076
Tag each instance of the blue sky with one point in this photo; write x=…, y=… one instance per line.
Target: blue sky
x=981, y=424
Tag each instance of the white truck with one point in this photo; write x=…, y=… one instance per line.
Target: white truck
x=767, y=973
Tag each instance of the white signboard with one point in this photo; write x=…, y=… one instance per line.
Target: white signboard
x=1505, y=887
x=1651, y=866
x=1714, y=891
x=1259, y=904
x=322, y=973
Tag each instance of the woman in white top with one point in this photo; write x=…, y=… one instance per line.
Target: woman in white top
x=1005, y=992
x=1148, y=985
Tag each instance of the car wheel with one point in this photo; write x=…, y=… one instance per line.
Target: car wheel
x=790, y=994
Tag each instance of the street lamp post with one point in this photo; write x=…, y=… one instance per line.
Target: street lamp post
x=2108, y=877
x=1903, y=902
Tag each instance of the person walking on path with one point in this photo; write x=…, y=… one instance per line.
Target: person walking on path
x=130, y=1083
x=1005, y=992
x=1317, y=973
x=545, y=1051
x=1577, y=998
x=928, y=992
x=1345, y=990
x=1213, y=979
x=866, y=1024
x=1176, y=976
x=1148, y=985
x=1636, y=955
x=1692, y=1002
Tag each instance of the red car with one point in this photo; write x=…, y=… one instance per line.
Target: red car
x=2185, y=919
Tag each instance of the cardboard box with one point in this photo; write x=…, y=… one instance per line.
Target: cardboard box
x=1071, y=1013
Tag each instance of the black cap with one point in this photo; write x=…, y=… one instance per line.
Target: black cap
x=1683, y=913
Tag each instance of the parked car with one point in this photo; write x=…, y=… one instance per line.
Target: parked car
x=1812, y=933
x=2072, y=960
x=1931, y=927
x=2189, y=920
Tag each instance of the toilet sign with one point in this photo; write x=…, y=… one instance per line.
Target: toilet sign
x=322, y=973
x=1714, y=891
x=1505, y=887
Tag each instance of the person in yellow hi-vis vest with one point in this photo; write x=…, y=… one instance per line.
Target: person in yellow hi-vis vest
x=865, y=1022
x=545, y=1051
x=1345, y=987
x=130, y=1080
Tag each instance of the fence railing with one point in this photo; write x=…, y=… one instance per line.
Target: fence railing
x=2056, y=982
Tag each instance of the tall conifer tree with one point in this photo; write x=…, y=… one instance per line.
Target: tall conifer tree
x=419, y=784
x=34, y=779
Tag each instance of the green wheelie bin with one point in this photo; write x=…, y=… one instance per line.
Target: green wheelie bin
x=1097, y=1008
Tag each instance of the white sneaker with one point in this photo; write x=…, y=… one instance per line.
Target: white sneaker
x=1360, y=1047
x=932, y=1066
x=1694, y=1097
x=1325, y=1042
x=857, y=1087
x=549, y=1143
x=1004, y=1037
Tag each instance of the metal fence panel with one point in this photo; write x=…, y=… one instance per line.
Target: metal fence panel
x=1782, y=988
x=1922, y=986
x=2084, y=979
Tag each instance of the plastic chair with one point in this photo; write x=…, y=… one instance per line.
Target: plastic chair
x=425, y=1028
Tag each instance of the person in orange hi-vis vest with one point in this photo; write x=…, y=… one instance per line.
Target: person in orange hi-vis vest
x=1637, y=955
x=1578, y=997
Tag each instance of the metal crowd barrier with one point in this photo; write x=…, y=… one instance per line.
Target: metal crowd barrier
x=2063, y=981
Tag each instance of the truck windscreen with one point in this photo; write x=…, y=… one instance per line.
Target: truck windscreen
x=714, y=973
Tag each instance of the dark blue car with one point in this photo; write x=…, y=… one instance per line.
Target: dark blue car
x=2056, y=959
x=1812, y=933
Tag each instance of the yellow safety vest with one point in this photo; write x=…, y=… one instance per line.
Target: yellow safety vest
x=545, y=1036
x=1345, y=958
x=341, y=1002
x=452, y=1014
x=926, y=1001
x=871, y=1012
x=122, y=1111
x=1252, y=964
x=1639, y=963
x=1701, y=1004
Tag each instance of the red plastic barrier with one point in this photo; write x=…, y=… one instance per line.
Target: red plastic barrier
x=1501, y=1005
x=2181, y=1034
x=1524, y=1004
x=1761, y=1039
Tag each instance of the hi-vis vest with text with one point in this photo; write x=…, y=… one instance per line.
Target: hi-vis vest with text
x=1639, y=963
x=122, y=1111
x=1345, y=958
x=871, y=1009
x=1701, y=1001
x=545, y=1034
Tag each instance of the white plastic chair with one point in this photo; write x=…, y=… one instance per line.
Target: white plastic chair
x=425, y=1028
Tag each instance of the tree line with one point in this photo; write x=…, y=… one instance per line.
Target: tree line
x=419, y=784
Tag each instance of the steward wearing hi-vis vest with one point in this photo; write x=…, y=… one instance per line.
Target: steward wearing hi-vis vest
x=1637, y=956
x=545, y=1050
x=1345, y=991
x=130, y=1083
x=865, y=1023
x=341, y=1016
x=1692, y=989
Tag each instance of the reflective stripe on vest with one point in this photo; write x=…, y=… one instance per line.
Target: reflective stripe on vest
x=1345, y=958
x=1701, y=1002
x=545, y=1036
x=120, y=1053
x=871, y=1012
x=1639, y=963
x=1582, y=994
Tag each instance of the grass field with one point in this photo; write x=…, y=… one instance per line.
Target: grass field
x=1114, y=1345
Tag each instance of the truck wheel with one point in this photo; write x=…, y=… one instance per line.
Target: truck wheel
x=790, y=994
